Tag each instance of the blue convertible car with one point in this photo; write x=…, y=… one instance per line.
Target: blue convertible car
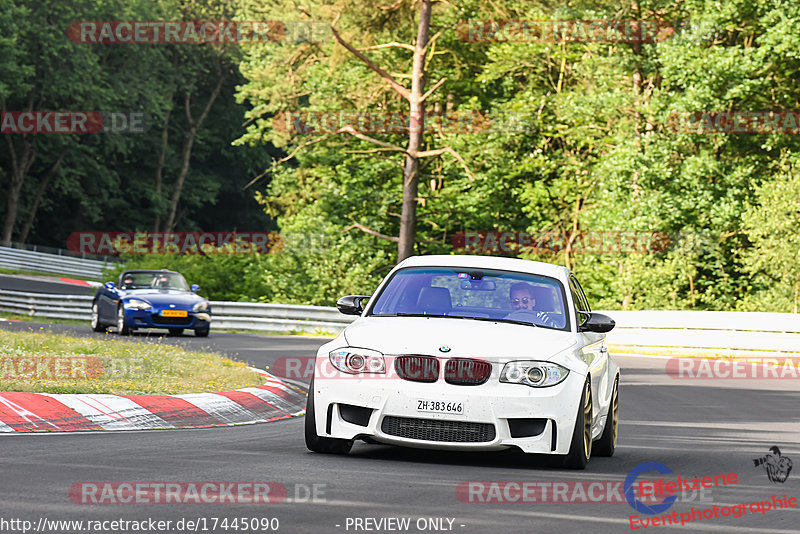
x=150, y=299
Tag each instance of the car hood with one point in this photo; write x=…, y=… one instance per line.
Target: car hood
x=159, y=297
x=465, y=337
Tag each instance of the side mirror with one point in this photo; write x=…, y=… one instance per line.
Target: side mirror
x=195, y=288
x=351, y=304
x=595, y=322
x=109, y=285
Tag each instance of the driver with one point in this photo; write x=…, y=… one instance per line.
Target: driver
x=163, y=282
x=521, y=297
x=127, y=283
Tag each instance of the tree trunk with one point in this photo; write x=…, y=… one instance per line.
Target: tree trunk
x=186, y=151
x=26, y=229
x=408, y=215
x=162, y=154
x=19, y=170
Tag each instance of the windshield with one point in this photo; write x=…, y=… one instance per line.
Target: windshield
x=155, y=280
x=474, y=294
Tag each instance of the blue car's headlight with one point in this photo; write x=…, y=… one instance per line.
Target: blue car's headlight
x=136, y=304
x=200, y=307
x=533, y=373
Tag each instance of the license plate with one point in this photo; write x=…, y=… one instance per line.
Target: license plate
x=441, y=406
x=174, y=313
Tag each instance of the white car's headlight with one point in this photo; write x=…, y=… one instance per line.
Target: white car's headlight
x=136, y=304
x=533, y=373
x=200, y=307
x=354, y=361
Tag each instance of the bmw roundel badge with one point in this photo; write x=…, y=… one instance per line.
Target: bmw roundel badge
x=444, y=348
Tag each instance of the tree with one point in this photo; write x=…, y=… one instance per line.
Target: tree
x=416, y=98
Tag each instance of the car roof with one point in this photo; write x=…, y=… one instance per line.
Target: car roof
x=487, y=262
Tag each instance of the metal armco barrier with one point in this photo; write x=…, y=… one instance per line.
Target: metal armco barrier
x=226, y=315
x=722, y=333
x=29, y=260
x=45, y=305
x=277, y=317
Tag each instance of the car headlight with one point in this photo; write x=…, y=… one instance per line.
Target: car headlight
x=200, y=307
x=534, y=374
x=355, y=361
x=136, y=304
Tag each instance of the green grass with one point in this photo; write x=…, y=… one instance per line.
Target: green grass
x=51, y=363
x=34, y=319
x=48, y=320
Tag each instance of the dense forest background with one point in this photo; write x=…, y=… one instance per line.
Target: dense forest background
x=591, y=147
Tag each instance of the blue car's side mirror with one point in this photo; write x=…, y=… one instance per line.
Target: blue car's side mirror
x=109, y=285
x=195, y=288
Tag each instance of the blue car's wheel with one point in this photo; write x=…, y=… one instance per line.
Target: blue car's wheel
x=122, y=327
x=97, y=326
x=201, y=332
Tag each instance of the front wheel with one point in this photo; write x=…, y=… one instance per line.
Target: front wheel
x=580, y=449
x=607, y=443
x=201, y=332
x=316, y=443
x=96, y=325
x=122, y=326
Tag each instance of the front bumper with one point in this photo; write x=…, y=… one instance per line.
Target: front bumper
x=152, y=319
x=547, y=415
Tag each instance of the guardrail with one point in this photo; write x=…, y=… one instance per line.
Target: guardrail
x=277, y=317
x=677, y=332
x=705, y=332
x=77, y=307
x=29, y=260
x=256, y=317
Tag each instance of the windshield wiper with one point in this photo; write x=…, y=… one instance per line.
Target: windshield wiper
x=403, y=314
x=512, y=321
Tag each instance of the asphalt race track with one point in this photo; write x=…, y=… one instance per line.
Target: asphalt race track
x=42, y=284
x=697, y=428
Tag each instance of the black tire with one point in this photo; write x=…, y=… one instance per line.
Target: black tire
x=607, y=444
x=97, y=326
x=580, y=449
x=175, y=331
x=122, y=326
x=316, y=443
x=201, y=332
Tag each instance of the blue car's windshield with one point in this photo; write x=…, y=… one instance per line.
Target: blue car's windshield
x=154, y=280
x=474, y=294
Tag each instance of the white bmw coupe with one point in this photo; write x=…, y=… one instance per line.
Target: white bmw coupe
x=469, y=353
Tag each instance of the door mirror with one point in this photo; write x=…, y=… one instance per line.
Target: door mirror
x=195, y=288
x=351, y=304
x=595, y=322
x=109, y=285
